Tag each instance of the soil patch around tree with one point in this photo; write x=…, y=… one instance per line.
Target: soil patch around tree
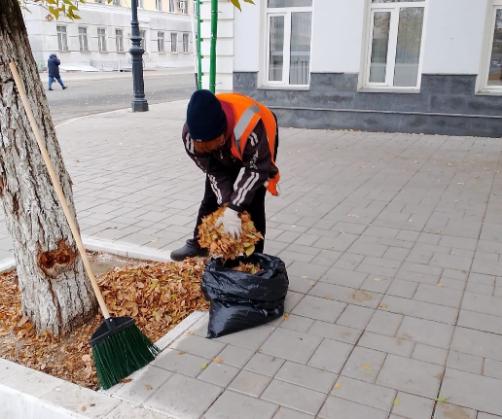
x=157, y=296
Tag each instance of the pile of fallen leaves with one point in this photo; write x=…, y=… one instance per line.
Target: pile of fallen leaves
x=161, y=292
x=223, y=245
x=157, y=296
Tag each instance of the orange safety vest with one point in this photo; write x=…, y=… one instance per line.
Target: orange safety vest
x=247, y=113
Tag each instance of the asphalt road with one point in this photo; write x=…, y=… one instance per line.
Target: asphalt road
x=91, y=93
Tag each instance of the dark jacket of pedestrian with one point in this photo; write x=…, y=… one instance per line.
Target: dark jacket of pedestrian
x=53, y=65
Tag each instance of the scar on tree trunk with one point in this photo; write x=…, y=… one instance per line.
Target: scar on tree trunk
x=55, y=262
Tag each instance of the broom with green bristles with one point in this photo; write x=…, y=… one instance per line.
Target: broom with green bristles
x=118, y=346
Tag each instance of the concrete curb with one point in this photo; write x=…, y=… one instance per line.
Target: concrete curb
x=31, y=394
x=123, y=110
x=124, y=249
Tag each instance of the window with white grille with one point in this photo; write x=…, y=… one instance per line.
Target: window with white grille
x=289, y=25
x=186, y=40
x=492, y=73
x=161, y=42
x=395, y=44
x=102, y=40
x=82, y=39
x=142, y=33
x=62, y=38
x=119, y=40
x=174, y=42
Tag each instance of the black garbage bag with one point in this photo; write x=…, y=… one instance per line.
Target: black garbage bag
x=240, y=300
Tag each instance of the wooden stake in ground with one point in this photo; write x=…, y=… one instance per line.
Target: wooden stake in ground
x=119, y=347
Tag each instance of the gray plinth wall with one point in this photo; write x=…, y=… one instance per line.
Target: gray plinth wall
x=446, y=104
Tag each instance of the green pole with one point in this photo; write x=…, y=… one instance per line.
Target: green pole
x=199, y=49
x=214, y=35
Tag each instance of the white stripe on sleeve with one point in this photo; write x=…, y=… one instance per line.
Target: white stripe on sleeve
x=246, y=188
x=214, y=187
x=239, y=178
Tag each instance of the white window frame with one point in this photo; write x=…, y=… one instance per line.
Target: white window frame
x=393, y=9
x=286, y=47
x=119, y=41
x=161, y=41
x=102, y=47
x=483, y=86
x=183, y=6
x=83, y=39
x=62, y=36
x=186, y=36
x=175, y=50
x=142, y=34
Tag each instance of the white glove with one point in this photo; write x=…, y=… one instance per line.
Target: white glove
x=231, y=221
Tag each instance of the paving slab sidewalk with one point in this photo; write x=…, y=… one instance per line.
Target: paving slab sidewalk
x=393, y=244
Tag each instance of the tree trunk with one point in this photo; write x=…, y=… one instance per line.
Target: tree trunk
x=56, y=294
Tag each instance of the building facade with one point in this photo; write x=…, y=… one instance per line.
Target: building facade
x=100, y=40
x=423, y=66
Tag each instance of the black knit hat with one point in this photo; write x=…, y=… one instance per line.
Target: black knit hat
x=205, y=117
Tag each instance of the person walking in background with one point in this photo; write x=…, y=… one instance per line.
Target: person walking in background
x=53, y=67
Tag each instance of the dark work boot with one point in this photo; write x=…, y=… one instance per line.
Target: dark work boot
x=190, y=249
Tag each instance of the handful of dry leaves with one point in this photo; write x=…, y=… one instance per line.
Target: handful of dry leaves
x=221, y=244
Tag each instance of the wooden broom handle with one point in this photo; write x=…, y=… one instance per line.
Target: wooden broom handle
x=59, y=190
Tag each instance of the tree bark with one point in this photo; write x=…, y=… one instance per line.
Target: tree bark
x=56, y=294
